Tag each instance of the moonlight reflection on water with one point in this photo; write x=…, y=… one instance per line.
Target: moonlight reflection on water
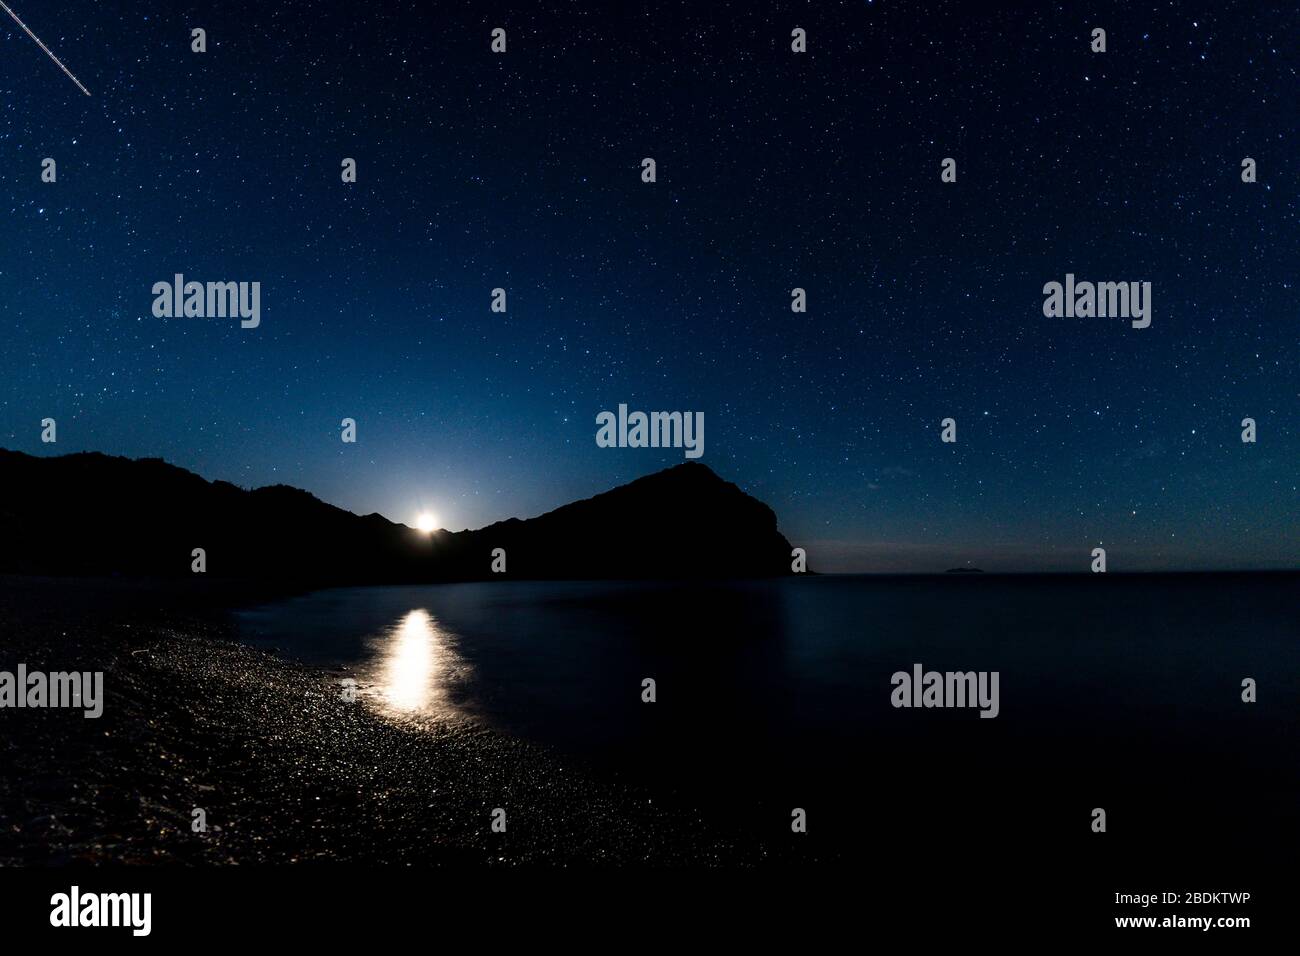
x=413, y=665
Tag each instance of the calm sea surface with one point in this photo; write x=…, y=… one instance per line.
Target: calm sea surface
x=1122, y=690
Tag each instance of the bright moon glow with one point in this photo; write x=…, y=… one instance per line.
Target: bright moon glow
x=426, y=522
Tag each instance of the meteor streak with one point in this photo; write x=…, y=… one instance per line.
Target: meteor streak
x=48, y=53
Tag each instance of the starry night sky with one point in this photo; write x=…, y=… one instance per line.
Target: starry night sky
x=775, y=170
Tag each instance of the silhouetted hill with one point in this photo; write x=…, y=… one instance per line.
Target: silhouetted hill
x=89, y=513
x=681, y=522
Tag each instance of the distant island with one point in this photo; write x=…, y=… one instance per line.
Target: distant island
x=94, y=514
x=964, y=571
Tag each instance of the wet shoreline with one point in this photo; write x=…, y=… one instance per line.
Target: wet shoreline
x=282, y=766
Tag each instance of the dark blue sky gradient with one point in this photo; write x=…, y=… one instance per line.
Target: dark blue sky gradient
x=775, y=171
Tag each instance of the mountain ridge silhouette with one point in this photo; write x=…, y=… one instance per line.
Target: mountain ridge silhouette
x=88, y=513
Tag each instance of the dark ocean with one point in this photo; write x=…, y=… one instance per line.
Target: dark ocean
x=1119, y=692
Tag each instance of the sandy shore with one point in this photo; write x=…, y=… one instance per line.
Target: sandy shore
x=284, y=768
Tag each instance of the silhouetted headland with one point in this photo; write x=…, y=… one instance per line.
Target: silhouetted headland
x=92, y=514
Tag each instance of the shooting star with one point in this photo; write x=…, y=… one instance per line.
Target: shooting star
x=56, y=60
